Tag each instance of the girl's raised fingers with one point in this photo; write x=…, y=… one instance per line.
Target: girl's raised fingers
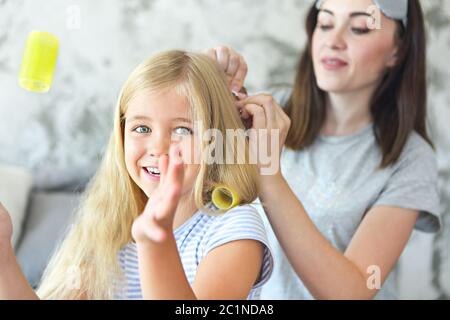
x=175, y=171
x=163, y=163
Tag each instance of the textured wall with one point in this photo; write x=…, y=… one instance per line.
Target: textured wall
x=60, y=135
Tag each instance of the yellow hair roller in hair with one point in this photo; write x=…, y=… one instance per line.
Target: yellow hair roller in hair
x=224, y=197
x=38, y=62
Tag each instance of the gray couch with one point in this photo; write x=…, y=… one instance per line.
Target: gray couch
x=48, y=217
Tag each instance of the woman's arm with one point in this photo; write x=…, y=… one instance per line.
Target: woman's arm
x=325, y=271
x=13, y=284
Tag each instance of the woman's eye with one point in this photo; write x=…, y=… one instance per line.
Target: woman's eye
x=360, y=30
x=325, y=27
x=142, y=129
x=183, y=131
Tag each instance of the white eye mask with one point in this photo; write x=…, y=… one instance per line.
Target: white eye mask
x=394, y=9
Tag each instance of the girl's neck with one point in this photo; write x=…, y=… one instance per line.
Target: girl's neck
x=185, y=210
x=347, y=113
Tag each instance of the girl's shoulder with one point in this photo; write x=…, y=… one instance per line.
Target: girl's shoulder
x=236, y=220
x=238, y=213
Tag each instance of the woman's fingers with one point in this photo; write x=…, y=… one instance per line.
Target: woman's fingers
x=258, y=116
x=223, y=57
x=240, y=75
x=232, y=63
x=267, y=114
x=211, y=52
x=271, y=108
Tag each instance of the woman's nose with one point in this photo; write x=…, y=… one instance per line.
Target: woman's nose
x=336, y=39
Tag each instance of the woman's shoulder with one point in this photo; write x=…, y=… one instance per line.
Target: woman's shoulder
x=417, y=149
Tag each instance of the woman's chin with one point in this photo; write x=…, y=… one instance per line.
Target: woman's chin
x=331, y=87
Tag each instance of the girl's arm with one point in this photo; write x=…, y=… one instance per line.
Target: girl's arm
x=13, y=284
x=357, y=273
x=227, y=272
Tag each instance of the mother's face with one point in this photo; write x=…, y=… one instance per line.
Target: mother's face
x=352, y=48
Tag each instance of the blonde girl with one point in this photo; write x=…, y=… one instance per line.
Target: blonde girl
x=145, y=228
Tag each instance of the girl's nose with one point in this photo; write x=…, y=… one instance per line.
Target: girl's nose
x=158, y=145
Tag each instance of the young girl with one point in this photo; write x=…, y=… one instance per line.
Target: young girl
x=358, y=169
x=144, y=229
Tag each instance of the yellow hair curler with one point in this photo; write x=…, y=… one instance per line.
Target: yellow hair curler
x=224, y=197
x=38, y=62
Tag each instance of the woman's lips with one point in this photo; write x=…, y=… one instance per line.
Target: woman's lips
x=333, y=64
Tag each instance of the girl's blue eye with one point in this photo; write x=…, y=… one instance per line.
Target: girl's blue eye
x=183, y=131
x=142, y=129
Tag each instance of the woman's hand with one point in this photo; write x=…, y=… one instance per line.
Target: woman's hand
x=232, y=63
x=6, y=228
x=261, y=112
x=156, y=222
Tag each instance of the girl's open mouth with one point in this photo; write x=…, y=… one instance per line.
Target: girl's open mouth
x=152, y=172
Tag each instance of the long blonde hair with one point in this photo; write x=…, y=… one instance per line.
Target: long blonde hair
x=85, y=265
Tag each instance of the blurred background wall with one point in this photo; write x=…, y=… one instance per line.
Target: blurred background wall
x=60, y=136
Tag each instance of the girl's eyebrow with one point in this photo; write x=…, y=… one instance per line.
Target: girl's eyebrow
x=149, y=119
x=137, y=118
x=351, y=15
x=182, y=120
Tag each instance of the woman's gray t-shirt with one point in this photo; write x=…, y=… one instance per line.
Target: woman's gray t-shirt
x=338, y=180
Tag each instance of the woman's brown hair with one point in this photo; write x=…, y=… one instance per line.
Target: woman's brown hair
x=398, y=105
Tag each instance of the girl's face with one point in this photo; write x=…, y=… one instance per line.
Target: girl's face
x=152, y=122
x=352, y=48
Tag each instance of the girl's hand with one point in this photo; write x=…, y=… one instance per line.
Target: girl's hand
x=156, y=222
x=232, y=63
x=263, y=112
x=6, y=228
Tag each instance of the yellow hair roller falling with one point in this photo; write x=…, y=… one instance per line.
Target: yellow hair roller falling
x=224, y=197
x=38, y=62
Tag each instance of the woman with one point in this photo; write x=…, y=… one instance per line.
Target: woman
x=358, y=171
